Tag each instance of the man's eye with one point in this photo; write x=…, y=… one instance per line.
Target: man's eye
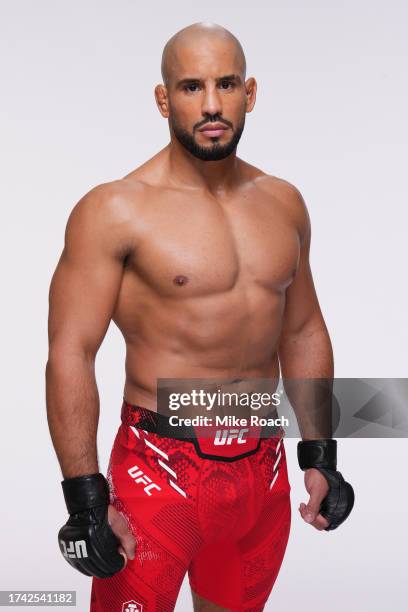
x=192, y=87
x=226, y=85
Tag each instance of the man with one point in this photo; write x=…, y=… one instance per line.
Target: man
x=201, y=260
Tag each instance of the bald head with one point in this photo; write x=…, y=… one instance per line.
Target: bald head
x=203, y=69
x=197, y=39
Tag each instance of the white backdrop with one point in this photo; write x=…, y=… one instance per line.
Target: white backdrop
x=77, y=109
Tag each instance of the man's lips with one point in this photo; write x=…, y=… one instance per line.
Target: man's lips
x=213, y=130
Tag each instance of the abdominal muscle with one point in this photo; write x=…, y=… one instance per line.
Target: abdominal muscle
x=227, y=335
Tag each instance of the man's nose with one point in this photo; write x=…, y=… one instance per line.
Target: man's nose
x=211, y=102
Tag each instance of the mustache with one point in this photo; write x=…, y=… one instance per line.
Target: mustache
x=213, y=120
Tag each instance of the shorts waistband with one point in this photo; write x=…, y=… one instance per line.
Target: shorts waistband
x=226, y=444
x=155, y=422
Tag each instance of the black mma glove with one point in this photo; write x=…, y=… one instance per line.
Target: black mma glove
x=322, y=455
x=87, y=541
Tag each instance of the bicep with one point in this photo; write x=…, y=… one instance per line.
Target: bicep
x=301, y=303
x=86, y=282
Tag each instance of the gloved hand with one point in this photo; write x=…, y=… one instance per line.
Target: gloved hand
x=87, y=541
x=339, y=501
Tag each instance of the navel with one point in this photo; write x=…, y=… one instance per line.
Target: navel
x=180, y=280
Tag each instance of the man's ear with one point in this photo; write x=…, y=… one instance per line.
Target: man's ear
x=160, y=93
x=250, y=87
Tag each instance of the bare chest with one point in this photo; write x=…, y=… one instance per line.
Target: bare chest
x=206, y=247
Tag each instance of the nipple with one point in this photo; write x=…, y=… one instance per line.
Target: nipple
x=180, y=280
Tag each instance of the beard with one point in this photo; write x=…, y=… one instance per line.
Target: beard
x=213, y=152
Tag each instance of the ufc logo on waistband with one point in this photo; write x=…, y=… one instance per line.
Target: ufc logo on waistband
x=226, y=436
x=74, y=550
x=141, y=478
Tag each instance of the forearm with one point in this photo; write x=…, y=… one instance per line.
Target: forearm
x=307, y=368
x=73, y=411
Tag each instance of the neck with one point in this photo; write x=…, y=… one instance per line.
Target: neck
x=213, y=176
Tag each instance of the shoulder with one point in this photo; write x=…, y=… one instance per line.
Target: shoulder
x=289, y=197
x=279, y=188
x=274, y=186
x=109, y=202
x=106, y=216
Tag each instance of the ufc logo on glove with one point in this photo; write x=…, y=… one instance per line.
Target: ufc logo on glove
x=74, y=550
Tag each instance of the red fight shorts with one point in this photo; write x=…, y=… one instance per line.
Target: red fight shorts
x=225, y=521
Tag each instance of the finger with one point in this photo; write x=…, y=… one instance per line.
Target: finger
x=320, y=523
x=317, y=494
x=129, y=545
x=309, y=511
x=306, y=515
x=120, y=529
x=127, y=540
x=122, y=552
x=323, y=522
